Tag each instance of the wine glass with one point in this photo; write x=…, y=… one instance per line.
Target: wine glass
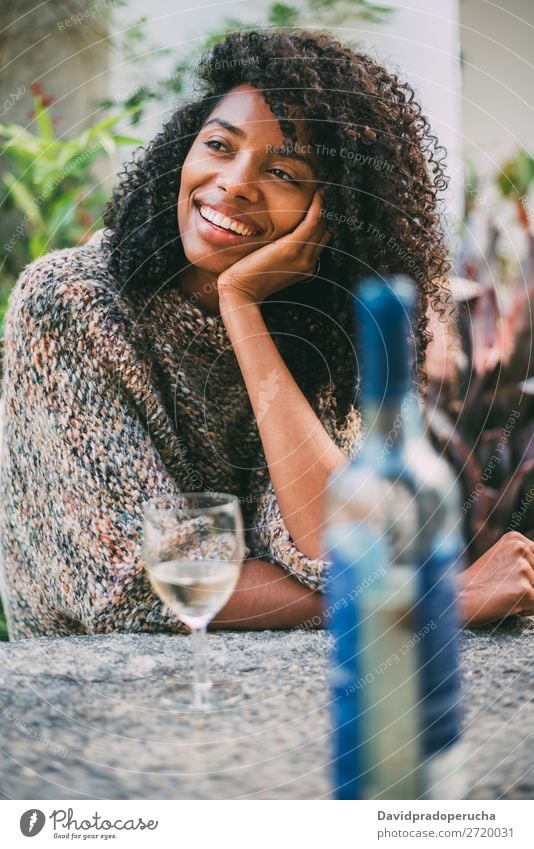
x=194, y=547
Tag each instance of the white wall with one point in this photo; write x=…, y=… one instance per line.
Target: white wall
x=497, y=109
x=421, y=42
x=498, y=79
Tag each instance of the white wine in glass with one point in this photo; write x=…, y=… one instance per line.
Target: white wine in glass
x=194, y=548
x=195, y=589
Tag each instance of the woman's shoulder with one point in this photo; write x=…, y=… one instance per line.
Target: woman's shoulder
x=65, y=281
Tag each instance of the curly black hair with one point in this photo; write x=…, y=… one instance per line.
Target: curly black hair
x=382, y=173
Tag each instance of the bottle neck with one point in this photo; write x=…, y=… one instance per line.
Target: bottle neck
x=390, y=423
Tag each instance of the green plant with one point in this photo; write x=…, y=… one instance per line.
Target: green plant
x=514, y=181
x=48, y=182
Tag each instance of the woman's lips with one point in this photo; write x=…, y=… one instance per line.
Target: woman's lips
x=218, y=235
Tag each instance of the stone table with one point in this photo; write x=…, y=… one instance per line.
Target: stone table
x=93, y=717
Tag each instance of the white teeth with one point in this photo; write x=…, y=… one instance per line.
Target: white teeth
x=225, y=222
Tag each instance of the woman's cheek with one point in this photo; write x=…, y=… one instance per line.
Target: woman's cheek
x=286, y=222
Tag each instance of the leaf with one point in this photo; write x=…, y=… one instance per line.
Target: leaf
x=20, y=139
x=518, y=323
x=78, y=165
x=516, y=175
x=109, y=146
x=61, y=211
x=24, y=200
x=282, y=15
x=43, y=121
x=95, y=131
x=38, y=245
x=228, y=25
x=68, y=151
x=362, y=9
x=127, y=140
x=484, y=330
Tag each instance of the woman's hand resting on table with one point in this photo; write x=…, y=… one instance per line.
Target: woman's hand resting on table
x=500, y=583
x=281, y=263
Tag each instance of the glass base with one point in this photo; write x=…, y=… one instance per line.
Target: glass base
x=205, y=698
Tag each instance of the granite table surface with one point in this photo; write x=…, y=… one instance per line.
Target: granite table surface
x=93, y=717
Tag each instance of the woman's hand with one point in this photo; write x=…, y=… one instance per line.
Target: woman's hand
x=500, y=583
x=287, y=260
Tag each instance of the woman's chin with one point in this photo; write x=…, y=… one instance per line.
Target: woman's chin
x=210, y=264
x=205, y=258
x=209, y=268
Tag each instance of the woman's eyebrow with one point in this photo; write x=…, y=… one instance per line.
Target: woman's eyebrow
x=227, y=126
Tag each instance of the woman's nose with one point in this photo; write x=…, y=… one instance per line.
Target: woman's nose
x=239, y=180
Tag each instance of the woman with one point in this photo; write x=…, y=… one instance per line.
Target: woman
x=203, y=340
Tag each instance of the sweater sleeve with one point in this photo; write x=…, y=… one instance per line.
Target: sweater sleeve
x=269, y=536
x=86, y=441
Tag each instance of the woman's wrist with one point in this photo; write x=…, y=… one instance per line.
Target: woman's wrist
x=230, y=296
x=464, y=599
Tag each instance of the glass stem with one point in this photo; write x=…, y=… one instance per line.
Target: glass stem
x=201, y=683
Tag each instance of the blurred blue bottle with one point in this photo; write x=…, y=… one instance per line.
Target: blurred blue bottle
x=393, y=536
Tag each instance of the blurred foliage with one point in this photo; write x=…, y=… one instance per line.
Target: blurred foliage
x=516, y=175
x=363, y=9
x=282, y=15
x=48, y=181
x=484, y=422
x=515, y=180
x=483, y=419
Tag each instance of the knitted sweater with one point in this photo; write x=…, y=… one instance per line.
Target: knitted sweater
x=109, y=401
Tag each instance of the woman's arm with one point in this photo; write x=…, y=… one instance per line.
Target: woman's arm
x=299, y=452
x=267, y=597
x=497, y=585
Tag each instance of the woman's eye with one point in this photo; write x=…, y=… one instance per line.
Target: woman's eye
x=283, y=175
x=215, y=144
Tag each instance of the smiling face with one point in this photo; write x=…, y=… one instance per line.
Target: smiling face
x=239, y=189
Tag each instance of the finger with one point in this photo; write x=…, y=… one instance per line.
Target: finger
x=317, y=239
x=529, y=557
x=312, y=250
x=315, y=207
x=325, y=238
x=309, y=247
x=527, y=602
x=318, y=245
x=524, y=548
x=312, y=220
